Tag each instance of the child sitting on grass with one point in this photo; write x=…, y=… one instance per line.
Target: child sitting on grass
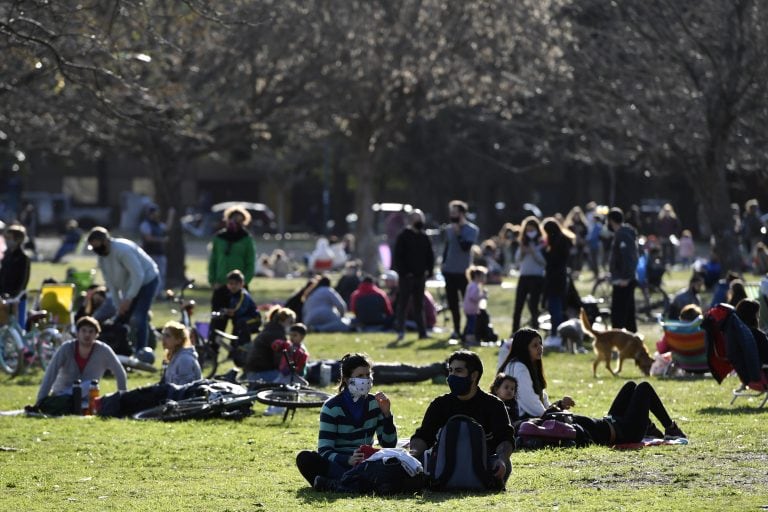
x=295, y=355
x=242, y=310
x=505, y=387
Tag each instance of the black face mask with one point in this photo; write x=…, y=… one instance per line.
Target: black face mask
x=455, y=220
x=418, y=225
x=100, y=250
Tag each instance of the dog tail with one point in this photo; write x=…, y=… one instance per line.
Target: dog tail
x=585, y=322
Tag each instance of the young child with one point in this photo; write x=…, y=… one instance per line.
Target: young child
x=296, y=353
x=505, y=387
x=245, y=317
x=686, y=248
x=475, y=292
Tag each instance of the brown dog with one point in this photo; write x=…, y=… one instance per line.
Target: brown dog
x=628, y=344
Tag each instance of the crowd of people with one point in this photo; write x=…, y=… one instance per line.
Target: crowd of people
x=544, y=252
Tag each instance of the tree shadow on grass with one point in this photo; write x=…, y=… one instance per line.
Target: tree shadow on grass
x=310, y=496
x=729, y=411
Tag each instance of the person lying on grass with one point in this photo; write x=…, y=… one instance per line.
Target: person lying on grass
x=348, y=422
x=628, y=417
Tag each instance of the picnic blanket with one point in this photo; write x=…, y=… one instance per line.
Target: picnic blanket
x=651, y=441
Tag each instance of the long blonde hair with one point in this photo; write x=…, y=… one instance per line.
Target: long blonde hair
x=178, y=332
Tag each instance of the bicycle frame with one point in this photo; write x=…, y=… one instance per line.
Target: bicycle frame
x=32, y=346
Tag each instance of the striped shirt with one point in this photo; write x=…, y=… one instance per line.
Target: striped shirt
x=340, y=434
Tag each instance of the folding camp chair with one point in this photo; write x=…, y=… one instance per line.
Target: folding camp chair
x=754, y=389
x=686, y=341
x=58, y=299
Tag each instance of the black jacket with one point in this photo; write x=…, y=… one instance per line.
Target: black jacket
x=413, y=254
x=623, y=262
x=14, y=272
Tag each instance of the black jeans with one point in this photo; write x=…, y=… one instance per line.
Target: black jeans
x=411, y=290
x=455, y=284
x=630, y=409
x=623, y=307
x=528, y=287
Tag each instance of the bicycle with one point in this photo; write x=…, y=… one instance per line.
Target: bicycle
x=236, y=405
x=216, y=348
x=21, y=349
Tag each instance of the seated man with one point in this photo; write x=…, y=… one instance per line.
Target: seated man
x=464, y=372
x=371, y=305
x=688, y=296
x=85, y=359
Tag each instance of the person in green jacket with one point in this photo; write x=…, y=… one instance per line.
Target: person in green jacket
x=232, y=249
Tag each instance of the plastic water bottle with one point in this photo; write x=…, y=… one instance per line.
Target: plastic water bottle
x=325, y=374
x=93, y=394
x=77, y=398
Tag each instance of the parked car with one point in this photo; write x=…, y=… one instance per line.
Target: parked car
x=263, y=219
x=55, y=209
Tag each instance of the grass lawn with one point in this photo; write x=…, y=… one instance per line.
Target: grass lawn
x=91, y=464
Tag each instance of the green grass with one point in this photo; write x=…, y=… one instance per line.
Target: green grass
x=91, y=464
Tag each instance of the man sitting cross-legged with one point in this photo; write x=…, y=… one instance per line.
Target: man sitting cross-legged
x=464, y=371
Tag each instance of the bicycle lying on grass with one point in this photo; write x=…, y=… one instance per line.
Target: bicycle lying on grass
x=294, y=394
x=236, y=405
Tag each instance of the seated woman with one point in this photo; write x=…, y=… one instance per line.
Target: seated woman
x=524, y=364
x=628, y=417
x=85, y=359
x=183, y=366
x=348, y=422
x=263, y=362
x=324, y=309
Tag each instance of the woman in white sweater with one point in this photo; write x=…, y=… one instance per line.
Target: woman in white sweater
x=524, y=364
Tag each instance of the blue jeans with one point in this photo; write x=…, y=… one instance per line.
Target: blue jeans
x=555, y=306
x=139, y=312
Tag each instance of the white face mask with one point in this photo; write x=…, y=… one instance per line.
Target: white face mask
x=359, y=387
x=531, y=234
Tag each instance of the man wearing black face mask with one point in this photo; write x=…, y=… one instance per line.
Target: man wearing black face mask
x=460, y=236
x=414, y=262
x=131, y=277
x=464, y=371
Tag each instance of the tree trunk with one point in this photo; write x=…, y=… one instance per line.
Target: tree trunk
x=366, y=244
x=168, y=176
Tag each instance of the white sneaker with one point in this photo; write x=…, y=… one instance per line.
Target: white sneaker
x=274, y=410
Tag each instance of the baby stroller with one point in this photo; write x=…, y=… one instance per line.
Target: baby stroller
x=731, y=347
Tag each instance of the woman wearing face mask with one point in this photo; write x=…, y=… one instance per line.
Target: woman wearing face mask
x=232, y=249
x=348, y=422
x=530, y=261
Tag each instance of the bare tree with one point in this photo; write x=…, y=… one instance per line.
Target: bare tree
x=669, y=84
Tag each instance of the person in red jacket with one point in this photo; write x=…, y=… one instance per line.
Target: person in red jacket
x=371, y=305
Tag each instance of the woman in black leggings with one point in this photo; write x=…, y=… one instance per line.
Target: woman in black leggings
x=628, y=418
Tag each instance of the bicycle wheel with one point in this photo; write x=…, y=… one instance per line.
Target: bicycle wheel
x=193, y=408
x=207, y=356
x=11, y=358
x=290, y=397
x=46, y=345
